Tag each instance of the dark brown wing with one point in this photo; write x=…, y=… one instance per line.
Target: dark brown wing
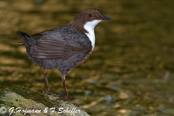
x=51, y=45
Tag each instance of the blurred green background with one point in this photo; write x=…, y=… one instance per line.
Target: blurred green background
x=130, y=72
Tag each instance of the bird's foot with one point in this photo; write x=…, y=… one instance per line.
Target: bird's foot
x=47, y=92
x=65, y=99
x=50, y=93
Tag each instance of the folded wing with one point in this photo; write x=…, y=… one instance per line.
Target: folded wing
x=54, y=46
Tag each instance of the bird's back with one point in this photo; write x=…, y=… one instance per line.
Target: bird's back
x=60, y=48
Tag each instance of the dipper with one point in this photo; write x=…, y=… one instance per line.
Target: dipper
x=63, y=47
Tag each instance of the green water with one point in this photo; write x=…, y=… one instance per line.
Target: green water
x=132, y=63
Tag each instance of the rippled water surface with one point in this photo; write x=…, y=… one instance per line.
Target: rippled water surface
x=131, y=70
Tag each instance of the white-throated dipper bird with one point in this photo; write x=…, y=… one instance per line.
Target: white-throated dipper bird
x=63, y=47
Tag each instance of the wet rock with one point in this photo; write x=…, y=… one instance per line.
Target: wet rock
x=88, y=92
x=109, y=99
x=21, y=101
x=123, y=95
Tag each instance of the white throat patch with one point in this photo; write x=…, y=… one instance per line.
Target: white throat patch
x=89, y=27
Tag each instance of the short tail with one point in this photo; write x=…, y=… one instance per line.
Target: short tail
x=27, y=40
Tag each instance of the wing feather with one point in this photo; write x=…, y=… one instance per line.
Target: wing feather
x=58, y=47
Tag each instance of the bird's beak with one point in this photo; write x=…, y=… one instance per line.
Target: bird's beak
x=105, y=18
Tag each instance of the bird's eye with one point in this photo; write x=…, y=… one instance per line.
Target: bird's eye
x=90, y=15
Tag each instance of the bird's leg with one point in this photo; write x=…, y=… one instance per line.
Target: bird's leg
x=66, y=93
x=46, y=80
x=48, y=88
